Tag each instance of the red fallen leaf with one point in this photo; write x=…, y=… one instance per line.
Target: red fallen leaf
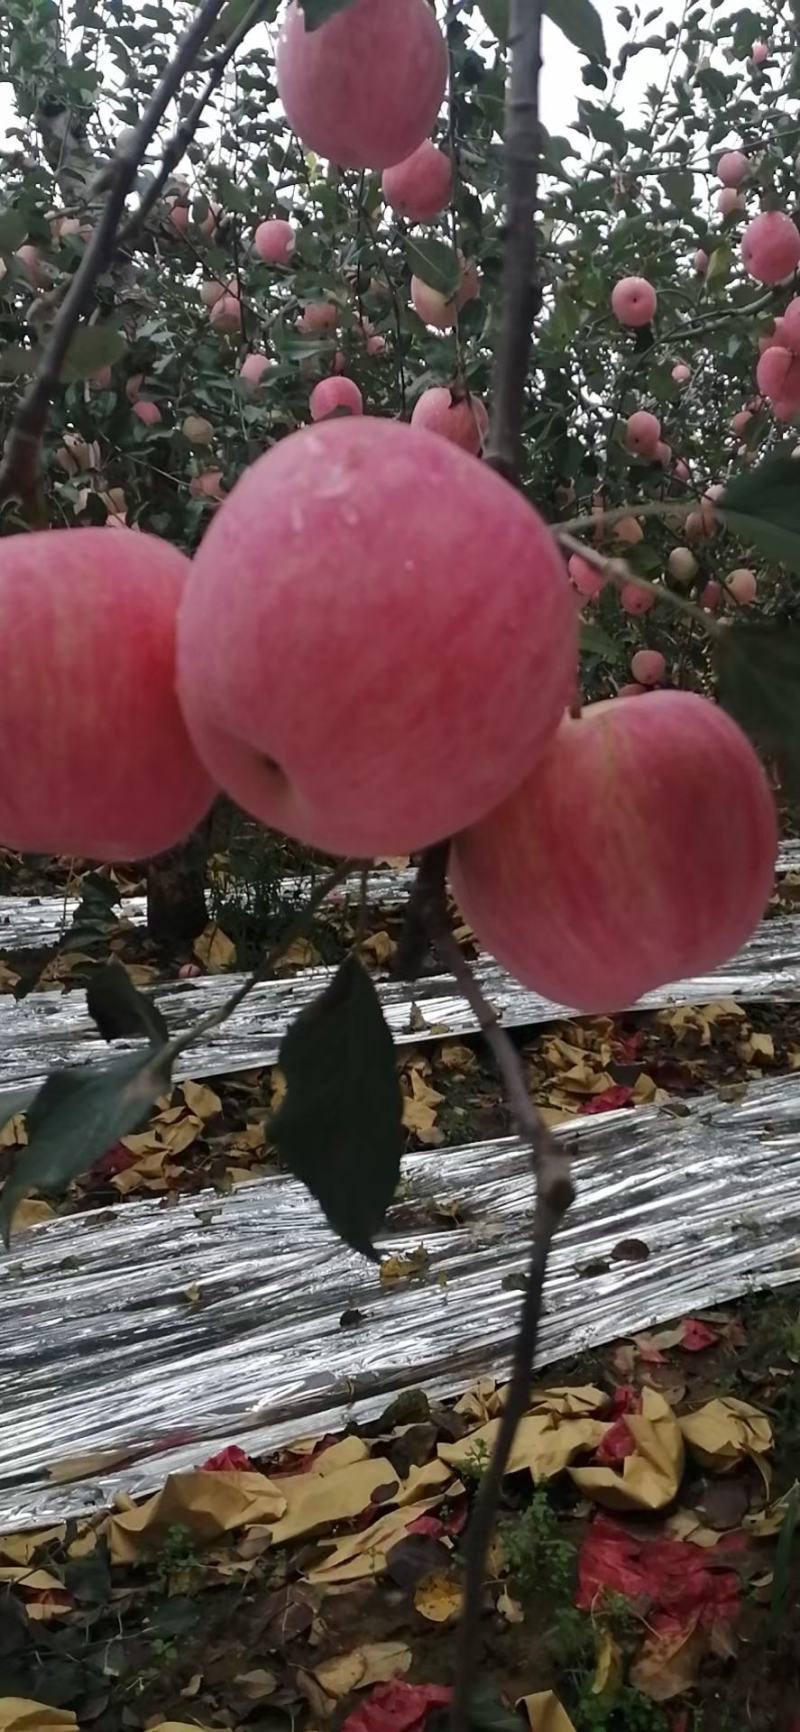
x=615, y=1446
x=628, y=1046
x=457, y=1516
x=397, y=1707
x=619, y=1095
x=682, y=1584
x=625, y=1399
x=228, y=1459
x=117, y=1159
x=696, y=1336
x=427, y=1524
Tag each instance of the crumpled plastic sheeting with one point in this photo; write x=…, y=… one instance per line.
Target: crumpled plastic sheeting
x=28, y=922
x=165, y=1333
x=47, y=1030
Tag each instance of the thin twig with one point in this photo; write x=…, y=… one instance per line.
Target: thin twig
x=20, y=472
x=618, y=572
x=297, y=928
x=671, y=510
x=551, y=1170
x=522, y=294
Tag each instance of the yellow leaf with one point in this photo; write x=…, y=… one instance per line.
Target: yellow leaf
x=545, y=1713
x=380, y=947
x=455, y=1056
x=14, y=1134
x=438, y=1597
x=372, y=1663
x=31, y=1212
x=402, y=1268
x=214, y=949
x=301, y=953
x=17, y=1714
x=609, y=1666
x=201, y=1100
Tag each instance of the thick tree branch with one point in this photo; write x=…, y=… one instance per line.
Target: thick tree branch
x=522, y=295
x=20, y=473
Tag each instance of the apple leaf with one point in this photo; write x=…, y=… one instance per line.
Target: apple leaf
x=763, y=506
x=91, y=347
x=13, y=229
x=594, y=641
x=339, y=1127
x=580, y=23
x=435, y=263
x=316, y=12
x=120, y=1010
x=758, y=671
x=75, y=1118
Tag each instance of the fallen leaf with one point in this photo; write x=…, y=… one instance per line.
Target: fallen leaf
x=201, y=1100
x=371, y=1663
x=214, y=949
x=669, y=1664
x=255, y=1686
x=17, y=1714
x=438, y=1597
x=32, y=1212
x=396, y=1707
x=726, y=1431
x=401, y=1268
x=545, y=1713
x=609, y=1666
x=380, y=948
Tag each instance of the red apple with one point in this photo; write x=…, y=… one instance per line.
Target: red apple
x=362, y=685
x=96, y=758
x=640, y=850
x=420, y=187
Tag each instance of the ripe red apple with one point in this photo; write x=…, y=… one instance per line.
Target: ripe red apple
x=361, y=685
x=318, y=319
x=420, y=187
x=363, y=89
x=732, y=168
x=462, y=419
x=635, y=598
x=701, y=262
x=760, y=52
x=640, y=850
x=335, y=393
x=771, y=247
x=147, y=411
x=648, y=667
x=742, y=585
x=439, y=310
x=729, y=201
x=634, y=301
x=642, y=434
x=587, y=579
x=96, y=758
x=681, y=373
x=253, y=368
x=275, y=241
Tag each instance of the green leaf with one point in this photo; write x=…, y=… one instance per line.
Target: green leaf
x=339, y=1127
x=581, y=25
x=594, y=641
x=120, y=1010
x=75, y=1118
x=435, y=263
x=763, y=506
x=719, y=264
x=315, y=12
x=13, y=229
x=495, y=13
x=758, y=671
x=16, y=362
x=92, y=347
x=605, y=125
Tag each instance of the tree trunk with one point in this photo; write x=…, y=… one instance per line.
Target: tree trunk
x=176, y=890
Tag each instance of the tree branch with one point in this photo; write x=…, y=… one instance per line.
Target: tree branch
x=20, y=473
x=551, y=1171
x=182, y=138
x=522, y=294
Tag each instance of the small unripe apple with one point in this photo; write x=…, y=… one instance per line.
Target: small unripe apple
x=682, y=470
x=681, y=373
x=197, y=430
x=711, y=595
x=628, y=531
x=376, y=345
x=462, y=419
x=96, y=759
x=729, y=201
x=701, y=262
x=345, y=687
x=179, y=217
x=335, y=393
x=133, y=386
x=663, y=806
x=275, y=241
x=365, y=87
x=211, y=292
x=634, y=301
x=682, y=564
x=253, y=368
x=741, y=421
x=419, y=188
x=760, y=52
x=663, y=453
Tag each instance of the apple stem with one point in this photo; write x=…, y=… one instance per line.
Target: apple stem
x=20, y=471
x=521, y=286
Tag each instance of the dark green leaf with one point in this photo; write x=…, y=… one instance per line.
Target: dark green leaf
x=594, y=641
x=120, y=1010
x=339, y=1127
x=605, y=125
x=315, y=12
x=92, y=347
x=496, y=13
x=16, y=362
x=758, y=669
x=13, y=229
x=75, y=1118
x=763, y=506
x=581, y=25
x=486, y=1712
x=435, y=263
